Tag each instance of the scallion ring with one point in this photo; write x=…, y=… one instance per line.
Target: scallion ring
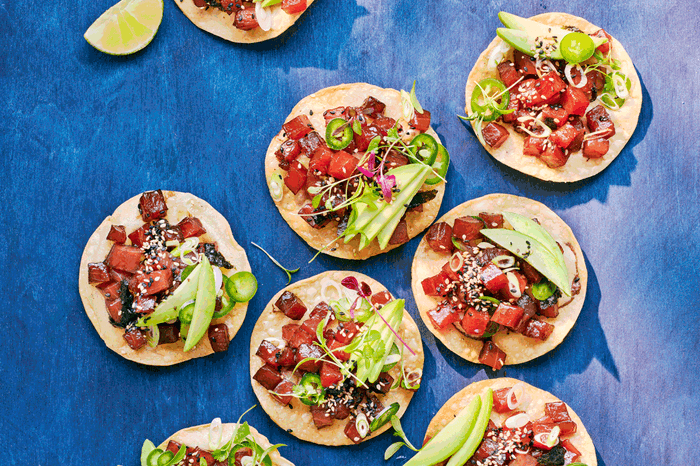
x=456, y=262
x=153, y=336
x=276, y=187
x=362, y=425
x=504, y=261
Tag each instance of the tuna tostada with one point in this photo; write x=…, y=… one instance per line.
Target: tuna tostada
x=161, y=272
x=333, y=357
x=356, y=170
x=244, y=21
x=499, y=280
x=554, y=97
x=505, y=422
x=215, y=444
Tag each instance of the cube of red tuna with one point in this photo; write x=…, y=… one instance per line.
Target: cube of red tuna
x=565, y=136
x=607, y=46
x=330, y=374
x=534, y=146
x=538, y=329
x=500, y=402
x=515, y=105
x=351, y=431
x=524, y=63
x=554, y=116
x=383, y=384
x=372, y=107
x=124, y=258
x=333, y=113
x=553, y=156
x=289, y=150
x=218, y=337
x=191, y=227
x=151, y=283
x=98, y=272
x=296, y=177
x=135, y=338
x=508, y=73
x=436, y=285
x=574, y=101
x=381, y=298
x=342, y=165
x=493, y=278
x=338, y=353
x=301, y=337
x=244, y=19
x=321, y=416
x=110, y=290
x=491, y=220
x=523, y=459
x=117, y=233
x=552, y=87
x=293, y=7
x=595, y=148
x=385, y=123
x=288, y=332
x=268, y=377
x=508, y=315
x=144, y=304
x=291, y=305
x=529, y=310
x=540, y=433
x=572, y=453
x=138, y=236
x=420, y=121
x=443, y=315
x=309, y=351
x=467, y=228
x=492, y=356
x=298, y=127
x=152, y=205
x=549, y=307
x=283, y=392
x=598, y=119
x=321, y=160
x=369, y=132
x=346, y=332
x=447, y=270
x=312, y=217
x=439, y=237
x=268, y=352
x=557, y=411
x=114, y=309
x=475, y=322
x=494, y=134
x=168, y=333
x=286, y=357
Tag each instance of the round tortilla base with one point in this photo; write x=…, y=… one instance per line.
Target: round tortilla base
x=298, y=420
x=535, y=409
x=220, y=23
x=179, y=205
x=198, y=436
x=518, y=348
x=313, y=106
x=577, y=167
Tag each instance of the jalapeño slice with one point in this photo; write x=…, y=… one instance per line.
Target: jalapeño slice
x=424, y=147
x=384, y=417
x=485, y=99
x=311, y=389
x=338, y=134
x=442, y=163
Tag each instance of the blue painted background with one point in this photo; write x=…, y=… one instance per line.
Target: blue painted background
x=82, y=131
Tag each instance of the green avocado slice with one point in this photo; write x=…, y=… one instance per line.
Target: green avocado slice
x=531, y=250
x=169, y=309
x=533, y=229
x=204, y=305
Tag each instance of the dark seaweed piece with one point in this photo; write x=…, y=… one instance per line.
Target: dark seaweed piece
x=343, y=223
x=552, y=300
x=215, y=257
x=421, y=198
x=128, y=314
x=554, y=457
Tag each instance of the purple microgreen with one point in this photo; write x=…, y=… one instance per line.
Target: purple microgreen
x=350, y=283
x=372, y=160
x=386, y=183
x=365, y=290
x=365, y=172
x=351, y=311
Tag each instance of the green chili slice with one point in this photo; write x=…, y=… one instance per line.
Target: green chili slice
x=442, y=163
x=241, y=286
x=384, y=417
x=185, y=314
x=338, y=134
x=577, y=47
x=312, y=391
x=424, y=147
x=153, y=456
x=485, y=99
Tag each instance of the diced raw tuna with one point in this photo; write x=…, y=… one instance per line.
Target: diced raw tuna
x=283, y=392
x=541, y=432
x=135, y=338
x=491, y=220
x=267, y=351
x=342, y=166
x=572, y=454
x=168, y=333
x=151, y=283
x=564, y=136
x=595, y=148
x=311, y=143
x=557, y=411
x=598, y=119
x=515, y=105
x=268, y=377
x=420, y=121
x=244, y=19
x=524, y=63
x=338, y=112
x=435, y=285
x=152, y=205
x=475, y=322
x=330, y=374
x=114, y=308
x=381, y=298
x=385, y=123
x=117, y=233
x=439, y=237
x=574, y=101
x=340, y=354
x=606, y=47
x=554, y=116
x=138, y=236
x=286, y=357
x=293, y=7
x=110, y=290
x=443, y=315
x=549, y=307
x=523, y=459
x=124, y=258
x=500, y=402
x=291, y=305
x=532, y=275
x=400, y=234
x=145, y=304
x=321, y=416
x=218, y=337
x=309, y=351
x=491, y=355
x=494, y=134
x=508, y=315
x=447, y=270
x=191, y=227
x=534, y=146
x=372, y=107
x=538, y=329
x=493, y=278
x=321, y=160
x=298, y=127
x=467, y=228
x=383, y=383
x=529, y=310
x=288, y=332
x=369, y=132
x=289, y=150
x=98, y=272
x=553, y=156
x=346, y=332
x=508, y=73
x=312, y=217
x=296, y=177
x=351, y=431
x=301, y=337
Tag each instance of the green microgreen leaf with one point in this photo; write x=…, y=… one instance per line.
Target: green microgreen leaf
x=289, y=272
x=357, y=127
x=414, y=99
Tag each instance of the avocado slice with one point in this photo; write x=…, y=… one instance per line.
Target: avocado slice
x=169, y=309
x=522, y=34
x=204, y=305
x=533, y=229
x=531, y=250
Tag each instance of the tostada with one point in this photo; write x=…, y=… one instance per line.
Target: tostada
x=333, y=357
x=505, y=422
x=215, y=444
x=499, y=280
x=161, y=272
x=357, y=170
x=244, y=21
x=554, y=97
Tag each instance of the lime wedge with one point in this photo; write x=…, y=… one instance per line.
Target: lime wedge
x=127, y=27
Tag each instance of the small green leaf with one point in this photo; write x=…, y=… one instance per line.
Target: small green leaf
x=393, y=448
x=316, y=201
x=357, y=127
x=374, y=144
x=396, y=424
x=414, y=99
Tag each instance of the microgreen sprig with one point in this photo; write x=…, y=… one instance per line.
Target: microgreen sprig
x=289, y=272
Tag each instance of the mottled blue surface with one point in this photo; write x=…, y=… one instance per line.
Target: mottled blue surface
x=82, y=131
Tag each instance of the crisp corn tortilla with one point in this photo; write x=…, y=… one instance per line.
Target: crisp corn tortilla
x=313, y=106
x=518, y=348
x=220, y=23
x=180, y=205
x=535, y=409
x=298, y=420
x=577, y=167
x=198, y=436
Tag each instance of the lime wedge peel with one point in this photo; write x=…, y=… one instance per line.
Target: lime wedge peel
x=127, y=27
